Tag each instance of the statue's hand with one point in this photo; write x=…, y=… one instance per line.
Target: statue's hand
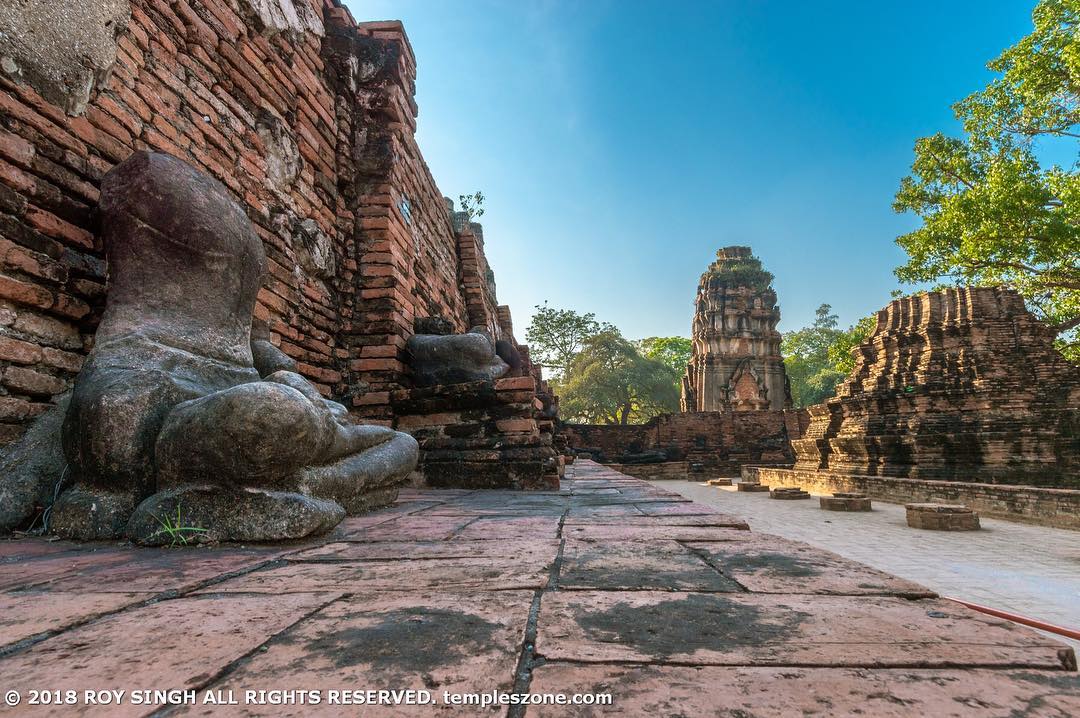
x=268, y=359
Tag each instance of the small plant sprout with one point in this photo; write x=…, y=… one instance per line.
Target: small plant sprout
x=472, y=204
x=174, y=528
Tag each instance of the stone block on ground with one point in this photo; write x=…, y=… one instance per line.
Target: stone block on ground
x=788, y=494
x=941, y=517
x=846, y=502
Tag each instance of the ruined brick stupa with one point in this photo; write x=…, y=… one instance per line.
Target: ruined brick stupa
x=962, y=384
x=736, y=364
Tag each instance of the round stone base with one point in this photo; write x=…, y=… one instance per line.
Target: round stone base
x=941, y=517
x=845, y=502
x=788, y=493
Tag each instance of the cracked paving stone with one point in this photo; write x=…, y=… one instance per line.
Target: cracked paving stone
x=484, y=574
x=770, y=564
x=182, y=643
x=434, y=641
x=792, y=630
x=728, y=692
x=525, y=549
x=636, y=566
x=653, y=533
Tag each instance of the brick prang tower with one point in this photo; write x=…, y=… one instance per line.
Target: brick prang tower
x=736, y=363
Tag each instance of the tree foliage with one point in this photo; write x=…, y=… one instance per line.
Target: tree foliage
x=818, y=357
x=609, y=382
x=991, y=212
x=555, y=336
x=600, y=376
x=675, y=352
x=472, y=204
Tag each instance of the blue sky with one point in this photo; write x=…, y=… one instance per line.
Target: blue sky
x=619, y=144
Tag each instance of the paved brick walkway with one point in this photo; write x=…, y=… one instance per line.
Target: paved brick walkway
x=608, y=586
x=1025, y=569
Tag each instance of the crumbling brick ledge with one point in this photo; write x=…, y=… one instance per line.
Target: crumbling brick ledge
x=609, y=585
x=1059, y=508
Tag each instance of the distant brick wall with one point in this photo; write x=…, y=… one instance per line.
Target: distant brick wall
x=310, y=127
x=718, y=440
x=1029, y=504
x=666, y=470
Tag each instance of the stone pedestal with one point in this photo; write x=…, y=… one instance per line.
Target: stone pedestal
x=719, y=482
x=788, y=494
x=751, y=486
x=846, y=502
x=942, y=517
x=480, y=435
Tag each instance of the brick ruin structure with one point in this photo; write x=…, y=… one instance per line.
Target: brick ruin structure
x=959, y=385
x=736, y=364
x=308, y=118
x=736, y=403
x=717, y=443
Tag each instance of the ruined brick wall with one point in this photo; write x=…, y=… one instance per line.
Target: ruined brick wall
x=480, y=435
x=717, y=440
x=1029, y=504
x=305, y=115
x=962, y=384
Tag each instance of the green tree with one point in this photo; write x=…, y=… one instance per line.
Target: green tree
x=673, y=352
x=555, y=336
x=609, y=382
x=472, y=204
x=840, y=351
x=817, y=358
x=991, y=212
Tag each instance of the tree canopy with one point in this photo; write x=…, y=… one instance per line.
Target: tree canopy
x=818, y=357
x=601, y=377
x=993, y=211
x=609, y=382
x=555, y=336
x=674, y=352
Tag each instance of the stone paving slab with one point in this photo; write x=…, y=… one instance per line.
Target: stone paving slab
x=1030, y=570
x=787, y=630
x=426, y=641
x=503, y=528
x=664, y=509
x=723, y=692
x=28, y=613
x=770, y=564
x=405, y=575
x=635, y=566
x=627, y=588
x=527, y=549
x=616, y=532
x=157, y=571
x=411, y=528
x=181, y=643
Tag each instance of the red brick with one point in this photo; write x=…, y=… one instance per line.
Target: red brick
x=20, y=352
x=58, y=359
x=57, y=228
x=16, y=149
x=25, y=293
x=29, y=381
x=515, y=383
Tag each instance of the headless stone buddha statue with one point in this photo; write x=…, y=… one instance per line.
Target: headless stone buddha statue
x=179, y=420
